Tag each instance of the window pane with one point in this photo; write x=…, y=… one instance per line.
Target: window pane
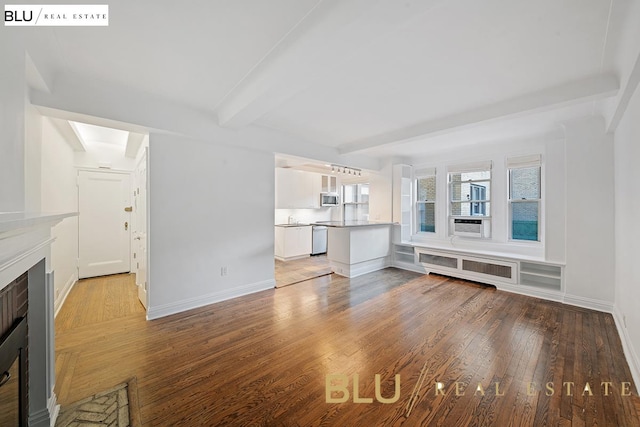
x=524, y=220
x=525, y=183
x=356, y=212
x=350, y=193
x=427, y=188
x=470, y=208
x=363, y=190
x=356, y=193
x=462, y=191
x=426, y=217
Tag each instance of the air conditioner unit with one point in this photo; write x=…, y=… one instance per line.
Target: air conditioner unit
x=468, y=227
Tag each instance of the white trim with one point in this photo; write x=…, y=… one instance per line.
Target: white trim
x=409, y=267
x=360, y=268
x=627, y=346
x=195, y=302
x=590, y=303
x=65, y=293
x=99, y=169
x=531, y=291
x=53, y=408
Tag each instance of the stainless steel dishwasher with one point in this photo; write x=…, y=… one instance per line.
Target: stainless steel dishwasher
x=319, y=240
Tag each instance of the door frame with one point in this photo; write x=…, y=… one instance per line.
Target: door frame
x=144, y=158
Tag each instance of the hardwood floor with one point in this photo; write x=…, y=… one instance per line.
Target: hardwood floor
x=299, y=270
x=262, y=359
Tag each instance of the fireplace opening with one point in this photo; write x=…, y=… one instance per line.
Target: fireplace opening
x=13, y=375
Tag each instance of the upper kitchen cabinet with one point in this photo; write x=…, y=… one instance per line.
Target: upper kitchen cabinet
x=329, y=184
x=297, y=189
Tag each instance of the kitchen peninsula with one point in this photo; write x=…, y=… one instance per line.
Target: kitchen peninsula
x=358, y=247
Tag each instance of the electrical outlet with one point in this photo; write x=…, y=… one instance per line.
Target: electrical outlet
x=223, y=271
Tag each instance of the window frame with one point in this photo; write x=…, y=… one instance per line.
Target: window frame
x=470, y=201
x=433, y=202
x=358, y=196
x=525, y=162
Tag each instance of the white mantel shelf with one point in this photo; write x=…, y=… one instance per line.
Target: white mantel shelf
x=10, y=221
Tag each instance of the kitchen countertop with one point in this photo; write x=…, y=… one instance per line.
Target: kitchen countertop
x=293, y=225
x=352, y=223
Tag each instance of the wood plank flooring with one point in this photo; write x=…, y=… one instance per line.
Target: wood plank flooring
x=262, y=359
x=298, y=270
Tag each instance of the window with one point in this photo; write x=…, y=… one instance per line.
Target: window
x=470, y=190
x=355, y=202
x=426, y=201
x=524, y=197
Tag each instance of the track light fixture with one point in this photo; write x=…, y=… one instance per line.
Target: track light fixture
x=346, y=170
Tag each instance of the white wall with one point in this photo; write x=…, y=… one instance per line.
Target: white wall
x=212, y=206
x=380, y=194
x=60, y=194
x=12, y=117
x=590, y=213
x=627, y=232
x=32, y=159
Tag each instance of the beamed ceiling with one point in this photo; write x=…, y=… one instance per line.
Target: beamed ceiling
x=377, y=78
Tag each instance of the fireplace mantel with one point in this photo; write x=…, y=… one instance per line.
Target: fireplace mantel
x=25, y=246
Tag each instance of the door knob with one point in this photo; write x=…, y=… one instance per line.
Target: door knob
x=126, y=225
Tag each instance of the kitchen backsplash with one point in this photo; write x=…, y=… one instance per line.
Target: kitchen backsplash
x=307, y=216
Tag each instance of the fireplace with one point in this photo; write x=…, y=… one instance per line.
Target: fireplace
x=27, y=358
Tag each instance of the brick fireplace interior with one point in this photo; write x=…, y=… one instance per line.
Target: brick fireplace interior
x=14, y=303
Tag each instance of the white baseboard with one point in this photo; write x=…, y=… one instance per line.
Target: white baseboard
x=627, y=346
x=59, y=302
x=360, y=268
x=409, y=267
x=593, y=304
x=54, y=408
x=191, y=303
x=532, y=291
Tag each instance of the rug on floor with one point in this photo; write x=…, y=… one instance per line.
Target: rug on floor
x=115, y=407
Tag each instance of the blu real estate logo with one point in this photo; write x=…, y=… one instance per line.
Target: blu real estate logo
x=56, y=15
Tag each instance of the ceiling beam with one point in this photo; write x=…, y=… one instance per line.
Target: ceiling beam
x=134, y=142
x=69, y=134
x=572, y=93
x=621, y=107
x=326, y=37
x=80, y=98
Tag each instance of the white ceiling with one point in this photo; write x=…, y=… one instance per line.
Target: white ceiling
x=379, y=78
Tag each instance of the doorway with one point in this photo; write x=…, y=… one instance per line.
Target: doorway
x=104, y=224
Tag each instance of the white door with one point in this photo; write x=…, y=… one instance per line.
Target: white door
x=140, y=231
x=104, y=223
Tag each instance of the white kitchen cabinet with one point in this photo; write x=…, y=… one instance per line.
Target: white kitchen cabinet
x=297, y=189
x=329, y=184
x=292, y=242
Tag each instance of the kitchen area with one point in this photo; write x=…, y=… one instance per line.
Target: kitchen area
x=322, y=222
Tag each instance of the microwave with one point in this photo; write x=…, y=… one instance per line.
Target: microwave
x=329, y=199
